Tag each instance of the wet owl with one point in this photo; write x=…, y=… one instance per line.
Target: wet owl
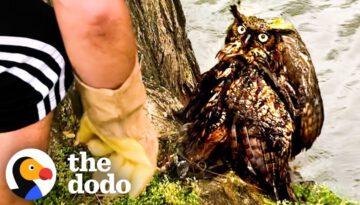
x=261, y=102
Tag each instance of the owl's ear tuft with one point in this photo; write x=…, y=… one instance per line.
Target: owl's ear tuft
x=235, y=11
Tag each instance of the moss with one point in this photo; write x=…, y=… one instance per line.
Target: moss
x=162, y=190
x=312, y=193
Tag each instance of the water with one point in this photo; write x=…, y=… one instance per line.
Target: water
x=331, y=31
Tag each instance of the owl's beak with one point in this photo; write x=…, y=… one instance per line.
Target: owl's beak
x=230, y=50
x=247, y=39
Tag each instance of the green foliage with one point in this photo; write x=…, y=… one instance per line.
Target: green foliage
x=170, y=192
x=162, y=190
x=319, y=194
x=313, y=194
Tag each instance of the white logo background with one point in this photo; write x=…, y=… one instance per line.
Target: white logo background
x=41, y=157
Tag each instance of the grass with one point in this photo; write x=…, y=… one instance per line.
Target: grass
x=162, y=190
x=314, y=194
x=319, y=194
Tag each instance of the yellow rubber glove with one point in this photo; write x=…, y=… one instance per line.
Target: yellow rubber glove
x=115, y=123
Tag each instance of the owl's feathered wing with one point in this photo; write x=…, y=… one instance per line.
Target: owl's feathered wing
x=307, y=100
x=206, y=113
x=264, y=129
x=241, y=110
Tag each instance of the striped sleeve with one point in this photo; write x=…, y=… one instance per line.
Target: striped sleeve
x=35, y=72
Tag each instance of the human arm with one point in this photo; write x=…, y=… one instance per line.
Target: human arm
x=101, y=45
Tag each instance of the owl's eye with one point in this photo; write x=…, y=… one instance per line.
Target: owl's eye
x=241, y=29
x=263, y=37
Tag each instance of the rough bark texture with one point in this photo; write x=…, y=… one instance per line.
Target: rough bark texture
x=165, y=51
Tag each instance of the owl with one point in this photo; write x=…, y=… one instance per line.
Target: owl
x=260, y=103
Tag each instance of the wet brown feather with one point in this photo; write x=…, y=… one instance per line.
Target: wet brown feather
x=261, y=101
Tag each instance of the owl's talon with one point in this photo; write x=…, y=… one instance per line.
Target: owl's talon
x=182, y=168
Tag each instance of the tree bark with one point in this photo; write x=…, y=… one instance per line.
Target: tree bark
x=166, y=55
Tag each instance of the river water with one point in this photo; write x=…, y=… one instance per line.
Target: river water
x=331, y=31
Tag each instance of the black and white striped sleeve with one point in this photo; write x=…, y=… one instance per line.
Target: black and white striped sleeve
x=34, y=70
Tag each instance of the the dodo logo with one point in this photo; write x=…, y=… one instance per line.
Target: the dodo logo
x=31, y=174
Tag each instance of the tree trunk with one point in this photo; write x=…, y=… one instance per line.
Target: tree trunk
x=165, y=51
